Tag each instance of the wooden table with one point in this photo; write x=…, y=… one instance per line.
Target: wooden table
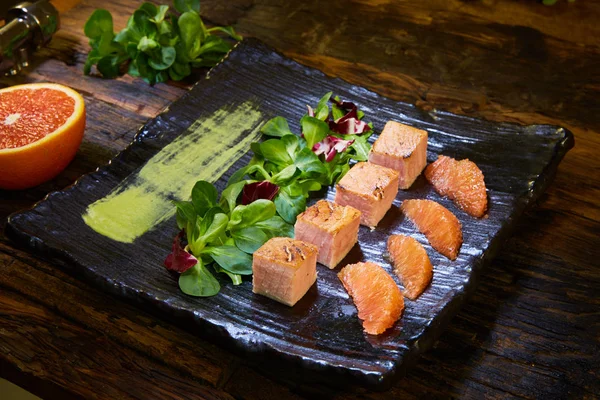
x=533, y=327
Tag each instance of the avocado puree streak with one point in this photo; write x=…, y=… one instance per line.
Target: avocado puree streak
x=208, y=148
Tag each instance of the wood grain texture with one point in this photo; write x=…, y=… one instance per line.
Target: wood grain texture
x=532, y=328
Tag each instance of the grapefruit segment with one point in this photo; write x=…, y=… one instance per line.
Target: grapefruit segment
x=437, y=223
x=377, y=297
x=462, y=181
x=411, y=264
x=41, y=128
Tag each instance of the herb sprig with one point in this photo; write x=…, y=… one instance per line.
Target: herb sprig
x=157, y=44
x=272, y=189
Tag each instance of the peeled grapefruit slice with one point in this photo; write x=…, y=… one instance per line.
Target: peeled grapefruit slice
x=377, y=297
x=411, y=264
x=41, y=128
x=437, y=223
x=462, y=181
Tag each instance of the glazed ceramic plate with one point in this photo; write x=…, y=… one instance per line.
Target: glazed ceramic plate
x=322, y=335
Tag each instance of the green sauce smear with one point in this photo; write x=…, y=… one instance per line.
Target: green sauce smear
x=208, y=148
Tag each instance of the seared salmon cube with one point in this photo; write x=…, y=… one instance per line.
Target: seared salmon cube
x=370, y=188
x=403, y=148
x=331, y=227
x=284, y=269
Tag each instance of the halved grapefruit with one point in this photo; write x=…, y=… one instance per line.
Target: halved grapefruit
x=41, y=128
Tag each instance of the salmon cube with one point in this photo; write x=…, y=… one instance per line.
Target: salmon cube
x=331, y=227
x=284, y=269
x=403, y=148
x=370, y=188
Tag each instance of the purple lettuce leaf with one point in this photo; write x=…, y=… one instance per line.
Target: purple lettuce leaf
x=179, y=260
x=259, y=190
x=349, y=124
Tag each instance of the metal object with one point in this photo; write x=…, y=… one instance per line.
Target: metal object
x=28, y=26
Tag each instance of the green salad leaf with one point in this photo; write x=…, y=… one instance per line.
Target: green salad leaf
x=198, y=281
x=278, y=126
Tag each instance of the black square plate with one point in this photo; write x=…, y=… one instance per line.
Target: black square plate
x=322, y=333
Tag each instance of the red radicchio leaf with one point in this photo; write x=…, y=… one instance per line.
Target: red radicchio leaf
x=179, y=260
x=346, y=105
x=349, y=124
x=330, y=146
x=259, y=190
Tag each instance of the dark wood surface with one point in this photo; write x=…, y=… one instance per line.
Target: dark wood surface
x=531, y=330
